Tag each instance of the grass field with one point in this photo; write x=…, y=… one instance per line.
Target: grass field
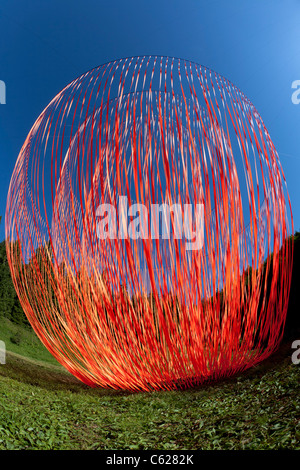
x=43, y=407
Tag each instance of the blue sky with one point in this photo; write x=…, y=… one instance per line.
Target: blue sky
x=45, y=44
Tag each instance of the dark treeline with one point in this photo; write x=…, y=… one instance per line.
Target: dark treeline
x=11, y=309
x=9, y=302
x=292, y=326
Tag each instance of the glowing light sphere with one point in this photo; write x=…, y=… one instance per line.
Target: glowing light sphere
x=122, y=278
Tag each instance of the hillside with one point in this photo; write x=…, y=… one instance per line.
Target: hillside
x=42, y=406
x=11, y=309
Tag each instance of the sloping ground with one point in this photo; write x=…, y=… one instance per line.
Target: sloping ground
x=22, y=340
x=44, y=407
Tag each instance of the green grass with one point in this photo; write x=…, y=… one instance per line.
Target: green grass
x=44, y=407
x=23, y=341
